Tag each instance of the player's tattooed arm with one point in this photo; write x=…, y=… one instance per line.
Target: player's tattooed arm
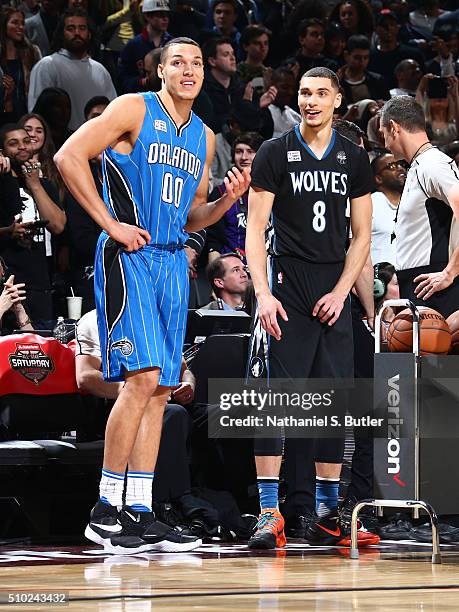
x=203, y=213
x=328, y=308
x=260, y=206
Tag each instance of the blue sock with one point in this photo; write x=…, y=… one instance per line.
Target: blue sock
x=268, y=489
x=326, y=495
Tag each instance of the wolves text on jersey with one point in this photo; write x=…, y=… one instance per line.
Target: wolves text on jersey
x=319, y=181
x=161, y=153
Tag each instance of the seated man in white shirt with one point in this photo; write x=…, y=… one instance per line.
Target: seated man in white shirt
x=172, y=474
x=390, y=177
x=229, y=280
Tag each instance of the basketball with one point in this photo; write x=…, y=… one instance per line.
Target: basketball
x=453, y=322
x=434, y=332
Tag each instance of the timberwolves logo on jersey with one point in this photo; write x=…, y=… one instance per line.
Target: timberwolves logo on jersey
x=320, y=181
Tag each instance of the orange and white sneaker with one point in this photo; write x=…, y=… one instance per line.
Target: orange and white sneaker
x=330, y=530
x=364, y=538
x=269, y=531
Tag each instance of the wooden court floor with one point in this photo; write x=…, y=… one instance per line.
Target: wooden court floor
x=390, y=576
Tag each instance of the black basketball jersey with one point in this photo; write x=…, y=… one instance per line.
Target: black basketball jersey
x=311, y=194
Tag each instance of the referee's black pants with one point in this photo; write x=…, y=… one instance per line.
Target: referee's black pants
x=361, y=484
x=172, y=472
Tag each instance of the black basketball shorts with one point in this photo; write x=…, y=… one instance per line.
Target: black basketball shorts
x=309, y=348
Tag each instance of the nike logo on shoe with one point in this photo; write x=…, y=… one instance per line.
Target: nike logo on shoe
x=136, y=519
x=113, y=528
x=336, y=533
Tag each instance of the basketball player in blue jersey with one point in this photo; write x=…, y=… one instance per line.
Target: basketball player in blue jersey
x=156, y=160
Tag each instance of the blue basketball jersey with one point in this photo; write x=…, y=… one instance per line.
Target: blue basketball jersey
x=153, y=187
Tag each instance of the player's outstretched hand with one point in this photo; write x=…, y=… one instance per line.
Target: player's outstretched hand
x=131, y=237
x=328, y=308
x=237, y=182
x=268, y=307
x=431, y=283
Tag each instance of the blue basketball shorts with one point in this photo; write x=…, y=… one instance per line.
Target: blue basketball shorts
x=141, y=302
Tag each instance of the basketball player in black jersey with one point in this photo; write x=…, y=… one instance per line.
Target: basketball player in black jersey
x=304, y=179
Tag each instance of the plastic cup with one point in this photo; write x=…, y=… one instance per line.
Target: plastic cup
x=74, y=305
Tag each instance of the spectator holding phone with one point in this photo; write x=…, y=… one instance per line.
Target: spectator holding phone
x=34, y=207
x=446, y=47
x=440, y=99
x=43, y=148
x=255, y=42
x=11, y=297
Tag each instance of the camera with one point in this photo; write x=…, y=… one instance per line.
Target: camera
x=35, y=225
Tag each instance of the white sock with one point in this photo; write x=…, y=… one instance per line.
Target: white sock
x=139, y=491
x=111, y=488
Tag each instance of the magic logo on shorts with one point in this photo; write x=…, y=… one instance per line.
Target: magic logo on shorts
x=124, y=345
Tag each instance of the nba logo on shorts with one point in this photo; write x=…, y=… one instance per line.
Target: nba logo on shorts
x=280, y=278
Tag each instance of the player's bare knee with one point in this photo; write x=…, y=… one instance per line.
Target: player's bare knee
x=143, y=383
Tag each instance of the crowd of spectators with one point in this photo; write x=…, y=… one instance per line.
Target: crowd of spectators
x=63, y=61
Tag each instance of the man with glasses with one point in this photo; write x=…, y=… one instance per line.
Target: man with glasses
x=390, y=176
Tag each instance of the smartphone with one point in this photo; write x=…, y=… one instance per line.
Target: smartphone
x=257, y=83
x=437, y=88
x=37, y=224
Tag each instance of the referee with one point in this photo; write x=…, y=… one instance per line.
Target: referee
x=426, y=231
x=303, y=180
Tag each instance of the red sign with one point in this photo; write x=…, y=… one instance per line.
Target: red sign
x=34, y=365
